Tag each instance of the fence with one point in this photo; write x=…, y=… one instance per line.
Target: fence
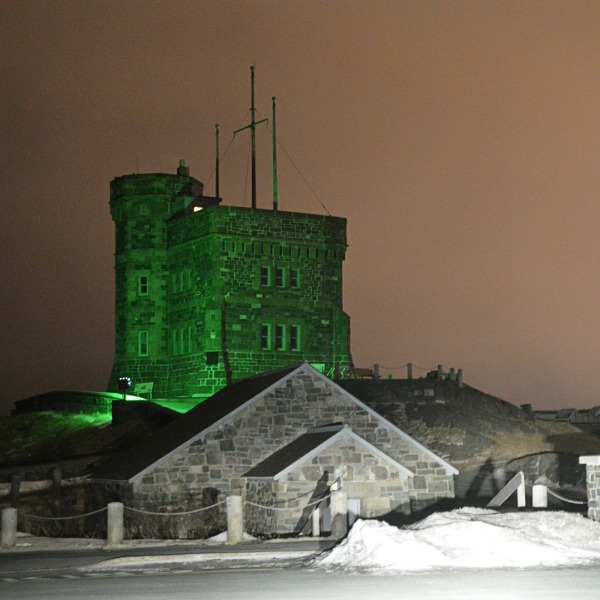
x=233, y=520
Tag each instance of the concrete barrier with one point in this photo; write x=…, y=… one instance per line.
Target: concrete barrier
x=235, y=519
x=9, y=527
x=114, y=535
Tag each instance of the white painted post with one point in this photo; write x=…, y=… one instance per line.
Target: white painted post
x=339, y=514
x=114, y=535
x=539, y=496
x=316, y=522
x=9, y=527
x=235, y=519
x=521, y=502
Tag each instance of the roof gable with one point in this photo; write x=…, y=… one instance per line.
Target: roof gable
x=219, y=409
x=307, y=446
x=187, y=428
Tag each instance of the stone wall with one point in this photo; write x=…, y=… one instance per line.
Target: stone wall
x=381, y=488
x=191, y=296
x=219, y=458
x=592, y=467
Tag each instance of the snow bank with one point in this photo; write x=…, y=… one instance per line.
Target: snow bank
x=468, y=538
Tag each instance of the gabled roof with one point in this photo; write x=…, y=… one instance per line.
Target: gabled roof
x=304, y=448
x=214, y=411
x=186, y=428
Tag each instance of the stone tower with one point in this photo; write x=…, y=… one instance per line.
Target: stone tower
x=207, y=294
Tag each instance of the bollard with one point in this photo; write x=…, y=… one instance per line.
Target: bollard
x=539, y=496
x=9, y=527
x=339, y=514
x=459, y=378
x=114, y=524
x=235, y=519
x=440, y=372
x=409, y=371
x=316, y=522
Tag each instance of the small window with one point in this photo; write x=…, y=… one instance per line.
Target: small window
x=143, y=343
x=190, y=339
x=294, y=337
x=280, y=337
x=175, y=342
x=143, y=285
x=182, y=340
x=212, y=358
x=265, y=337
x=143, y=209
x=294, y=278
x=265, y=276
x=279, y=277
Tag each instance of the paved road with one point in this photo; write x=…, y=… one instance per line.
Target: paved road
x=267, y=584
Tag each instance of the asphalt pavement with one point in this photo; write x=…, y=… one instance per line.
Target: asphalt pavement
x=171, y=550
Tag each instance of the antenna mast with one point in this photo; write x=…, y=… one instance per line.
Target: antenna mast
x=252, y=127
x=275, y=190
x=217, y=159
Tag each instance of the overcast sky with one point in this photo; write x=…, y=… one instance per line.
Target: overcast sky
x=461, y=140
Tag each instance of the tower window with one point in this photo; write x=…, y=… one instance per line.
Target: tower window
x=279, y=276
x=280, y=337
x=182, y=340
x=143, y=343
x=294, y=278
x=294, y=337
x=143, y=209
x=265, y=337
x=265, y=276
x=143, y=285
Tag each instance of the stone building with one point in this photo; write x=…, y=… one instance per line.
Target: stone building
x=207, y=294
x=280, y=439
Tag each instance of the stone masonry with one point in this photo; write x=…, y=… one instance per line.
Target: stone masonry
x=592, y=467
x=216, y=460
x=220, y=293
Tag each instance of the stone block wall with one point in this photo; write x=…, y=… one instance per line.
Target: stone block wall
x=592, y=467
x=206, y=300
x=380, y=488
x=219, y=458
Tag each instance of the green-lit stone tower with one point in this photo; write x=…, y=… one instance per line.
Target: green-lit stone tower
x=207, y=293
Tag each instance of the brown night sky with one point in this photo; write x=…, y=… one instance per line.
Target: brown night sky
x=460, y=139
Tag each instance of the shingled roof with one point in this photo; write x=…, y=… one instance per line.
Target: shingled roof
x=183, y=430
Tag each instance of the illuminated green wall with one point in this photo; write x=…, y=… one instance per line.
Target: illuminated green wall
x=197, y=292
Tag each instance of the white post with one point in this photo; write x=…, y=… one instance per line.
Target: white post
x=235, y=519
x=521, y=502
x=114, y=535
x=316, y=522
x=9, y=527
x=339, y=514
x=539, y=496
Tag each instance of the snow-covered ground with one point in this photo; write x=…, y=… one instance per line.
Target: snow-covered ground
x=468, y=538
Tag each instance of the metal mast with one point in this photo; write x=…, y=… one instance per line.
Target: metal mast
x=217, y=161
x=252, y=127
x=275, y=189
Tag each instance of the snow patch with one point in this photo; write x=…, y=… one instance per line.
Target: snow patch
x=469, y=538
